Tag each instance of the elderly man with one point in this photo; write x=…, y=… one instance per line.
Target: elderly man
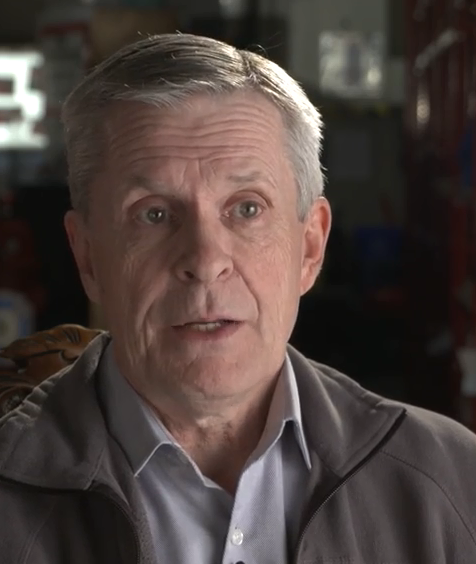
x=191, y=433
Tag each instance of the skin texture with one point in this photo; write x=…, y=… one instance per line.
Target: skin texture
x=193, y=216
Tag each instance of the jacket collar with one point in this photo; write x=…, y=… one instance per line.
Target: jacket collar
x=343, y=421
x=58, y=438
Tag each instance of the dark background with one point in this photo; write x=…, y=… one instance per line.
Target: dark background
x=388, y=309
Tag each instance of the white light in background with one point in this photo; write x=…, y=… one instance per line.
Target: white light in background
x=232, y=8
x=18, y=66
x=33, y=106
x=4, y=134
x=422, y=108
x=374, y=76
x=351, y=64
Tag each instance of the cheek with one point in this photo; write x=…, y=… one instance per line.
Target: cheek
x=276, y=270
x=115, y=263
x=136, y=275
x=281, y=256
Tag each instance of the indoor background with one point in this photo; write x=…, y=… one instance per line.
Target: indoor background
x=395, y=307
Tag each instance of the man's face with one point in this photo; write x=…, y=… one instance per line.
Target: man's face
x=193, y=219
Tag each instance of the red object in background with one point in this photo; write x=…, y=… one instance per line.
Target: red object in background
x=441, y=270
x=19, y=266
x=7, y=86
x=7, y=115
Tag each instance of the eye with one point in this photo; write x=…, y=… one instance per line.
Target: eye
x=152, y=216
x=247, y=210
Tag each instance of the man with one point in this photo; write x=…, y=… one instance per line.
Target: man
x=193, y=433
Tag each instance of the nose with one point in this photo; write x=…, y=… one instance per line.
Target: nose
x=205, y=255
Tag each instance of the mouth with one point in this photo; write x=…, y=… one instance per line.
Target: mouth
x=208, y=326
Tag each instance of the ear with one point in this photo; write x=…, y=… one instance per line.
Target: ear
x=79, y=240
x=317, y=227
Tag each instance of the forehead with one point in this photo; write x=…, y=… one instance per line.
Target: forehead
x=212, y=143
x=195, y=110
x=239, y=125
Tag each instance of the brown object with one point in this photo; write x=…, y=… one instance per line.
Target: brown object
x=113, y=28
x=96, y=317
x=36, y=358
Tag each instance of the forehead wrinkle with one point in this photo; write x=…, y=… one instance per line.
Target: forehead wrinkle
x=232, y=126
x=243, y=137
x=165, y=157
x=246, y=177
x=255, y=168
x=141, y=154
x=202, y=110
x=149, y=125
x=148, y=146
x=211, y=175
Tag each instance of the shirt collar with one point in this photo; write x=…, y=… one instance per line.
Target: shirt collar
x=140, y=433
x=130, y=420
x=285, y=408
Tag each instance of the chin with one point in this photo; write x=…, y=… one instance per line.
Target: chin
x=211, y=363
x=217, y=368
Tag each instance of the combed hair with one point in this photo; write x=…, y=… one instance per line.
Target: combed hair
x=165, y=70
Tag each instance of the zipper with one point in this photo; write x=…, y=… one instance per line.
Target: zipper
x=345, y=479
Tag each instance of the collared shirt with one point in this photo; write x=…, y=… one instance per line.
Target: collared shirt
x=192, y=519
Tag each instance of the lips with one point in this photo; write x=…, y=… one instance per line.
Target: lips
x=208, y=325
x=207, y=321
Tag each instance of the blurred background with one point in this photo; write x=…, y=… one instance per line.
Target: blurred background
x=395, y=307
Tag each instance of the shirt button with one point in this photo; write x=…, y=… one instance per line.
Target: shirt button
x=237, y=537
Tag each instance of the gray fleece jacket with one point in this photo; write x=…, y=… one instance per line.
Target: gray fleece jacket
x=395, y=484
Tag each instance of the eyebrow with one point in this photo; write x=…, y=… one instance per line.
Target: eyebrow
x=139, y=181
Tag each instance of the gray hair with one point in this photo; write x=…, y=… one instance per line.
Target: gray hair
x=165, y=70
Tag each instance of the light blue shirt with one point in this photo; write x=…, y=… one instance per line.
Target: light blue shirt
x=192, y=519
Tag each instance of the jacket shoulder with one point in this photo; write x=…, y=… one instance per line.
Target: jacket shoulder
x=423, y=434
x=435, y=444
x=429, y=443
x=426, y=439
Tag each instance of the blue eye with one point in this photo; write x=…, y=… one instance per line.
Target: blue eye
x=247, y=210
x=153, y=216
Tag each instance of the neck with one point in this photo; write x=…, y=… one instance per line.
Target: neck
x=220, y=440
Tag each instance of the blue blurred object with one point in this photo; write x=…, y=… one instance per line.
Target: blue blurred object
x=379, y=257
x=16, y=317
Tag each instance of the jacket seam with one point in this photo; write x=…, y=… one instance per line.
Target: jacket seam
x=361, y=396
x=95, y=470
x=357, y=453
x=447, y=495
x=10, y=416
x=371, y=401
x=89, y=477
x=33, y=537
